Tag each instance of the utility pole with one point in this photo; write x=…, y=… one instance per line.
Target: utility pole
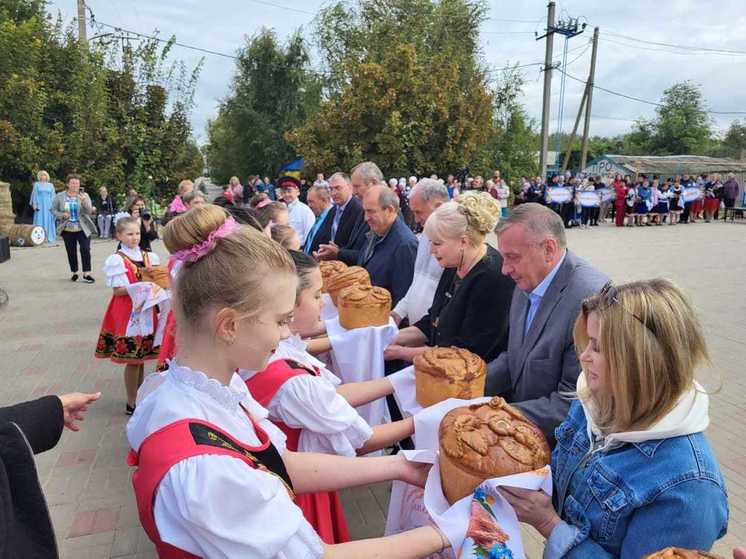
x=575, y=129
x=82, y=31
x=589, y=86
x=547, y=89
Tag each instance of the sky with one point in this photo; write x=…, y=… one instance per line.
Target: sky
x=625, y=64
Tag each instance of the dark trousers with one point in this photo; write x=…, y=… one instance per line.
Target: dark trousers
x=585, y=214
x=72, y=240
x=686, y=212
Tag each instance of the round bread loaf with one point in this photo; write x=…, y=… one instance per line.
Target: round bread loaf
x=448, y=372
x=329, y=269
x=484, y=441
x=354, y=275
x=681, y=553
x=364, y=305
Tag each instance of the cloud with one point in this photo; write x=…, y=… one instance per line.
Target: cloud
x=624, y=65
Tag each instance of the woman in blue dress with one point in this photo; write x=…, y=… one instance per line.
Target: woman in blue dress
x=41, y=200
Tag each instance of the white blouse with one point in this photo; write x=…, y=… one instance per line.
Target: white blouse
x=217, y=506
x=116, y=270
x=329, y=423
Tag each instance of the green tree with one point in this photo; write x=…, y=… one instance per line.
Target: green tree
x=682, y=125
x=733, y=144
x=404, y=88
x=273, y=90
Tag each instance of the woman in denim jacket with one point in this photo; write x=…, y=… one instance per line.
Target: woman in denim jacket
x=633, y=472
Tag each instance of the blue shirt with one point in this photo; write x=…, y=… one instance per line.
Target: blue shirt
x=338, y=217
x=538, y=293
x=73, y=208
x=314, y=230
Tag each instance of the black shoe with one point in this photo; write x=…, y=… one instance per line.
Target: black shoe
x=74, y=277
x=129, y=410
x=88, y=279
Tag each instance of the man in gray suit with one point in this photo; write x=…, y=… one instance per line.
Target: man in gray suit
x=540, y=365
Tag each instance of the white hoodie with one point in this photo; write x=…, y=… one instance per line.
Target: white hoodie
x=688, y=416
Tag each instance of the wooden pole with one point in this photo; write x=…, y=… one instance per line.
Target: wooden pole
x=575, y=129
x=587, y=123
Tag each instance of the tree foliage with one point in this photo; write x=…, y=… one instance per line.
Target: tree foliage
x=404, y=88
x=273, y=91
x=117, y=114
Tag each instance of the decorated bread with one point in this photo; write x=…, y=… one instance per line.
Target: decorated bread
x=329, y=269
x=484, y=441
x=363, y=305
x=448, y=372
x=681, y=553
x=354, y=275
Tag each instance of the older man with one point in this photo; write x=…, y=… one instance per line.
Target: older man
x=540, y=365
x=391, y=248
x=320, y=201
x=426, y=196
x=301, y=217
x=364, y=176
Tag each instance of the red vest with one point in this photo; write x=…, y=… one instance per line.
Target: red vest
x=181, y=440
x=264, y=385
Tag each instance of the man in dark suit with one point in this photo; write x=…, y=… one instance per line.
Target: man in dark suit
x=540, y=366
x=349, y=235
x=320, y=202
x=391, y=247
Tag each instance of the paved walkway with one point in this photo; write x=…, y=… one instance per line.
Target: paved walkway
x=49, y=328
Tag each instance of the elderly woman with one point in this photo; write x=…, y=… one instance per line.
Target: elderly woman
x=632, y=469
x=72, y=210
x=472, y=301
x=41, y=201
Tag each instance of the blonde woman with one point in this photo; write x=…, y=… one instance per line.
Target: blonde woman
x=41, y=201
x=632, y=468
x=472, y=301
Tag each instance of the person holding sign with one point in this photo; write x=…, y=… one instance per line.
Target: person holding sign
x=588, y=203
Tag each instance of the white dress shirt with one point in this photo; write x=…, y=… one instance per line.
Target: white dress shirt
x=218, y=506
x=115, y=270
x=427, y=272
x=329, y=424
x=301, y=219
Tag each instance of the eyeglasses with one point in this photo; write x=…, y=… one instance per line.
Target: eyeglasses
x=610, y=296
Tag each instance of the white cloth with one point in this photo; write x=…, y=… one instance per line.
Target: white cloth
x=140, y=321
x=419, y=298
x=217, y=506
x=115, y=269
x=301, y=219
x=328, y=310
x=453, y=520
x=358, y=355
x=329, y=424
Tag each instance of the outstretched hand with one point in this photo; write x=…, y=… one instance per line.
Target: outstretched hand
x=414, y=473
x=74, y=407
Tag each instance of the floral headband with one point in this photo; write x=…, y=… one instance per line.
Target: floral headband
x=197, y=251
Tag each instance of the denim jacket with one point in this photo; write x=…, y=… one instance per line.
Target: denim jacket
x=633, y=499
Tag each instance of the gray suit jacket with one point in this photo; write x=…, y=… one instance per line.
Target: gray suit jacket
x=86, y=209
x=533, y=372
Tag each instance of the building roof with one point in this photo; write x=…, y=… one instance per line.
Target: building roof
x=675, y=164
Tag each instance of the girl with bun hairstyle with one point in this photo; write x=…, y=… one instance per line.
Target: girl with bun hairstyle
x=308, y=403
x=472, y=301
x=214, y=477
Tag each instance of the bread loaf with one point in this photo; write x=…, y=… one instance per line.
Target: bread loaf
x=354, y=275
x=484, y=441
x=363, y=305
x=448, y=372
x=329, y=269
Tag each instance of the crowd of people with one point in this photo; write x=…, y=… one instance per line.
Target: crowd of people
x=243, y=437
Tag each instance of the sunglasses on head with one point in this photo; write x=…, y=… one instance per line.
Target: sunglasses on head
x=609, y=295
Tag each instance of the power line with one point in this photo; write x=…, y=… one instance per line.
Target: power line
x=119, y=29
x=680, y=47
x=639, y=100
x=280, y=6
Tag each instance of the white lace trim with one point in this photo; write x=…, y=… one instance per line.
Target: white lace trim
x=226, y=396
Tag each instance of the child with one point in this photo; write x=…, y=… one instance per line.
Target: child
x=630, y=201
x=286, y=236
x=122, y=269
x=642, y=208
x=676, y=203
x=214, y=477
x=306, y=401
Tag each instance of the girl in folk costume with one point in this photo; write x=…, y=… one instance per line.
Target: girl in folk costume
x=676, y=202
x=661, y=195
x=123, y=270
x=214, y=477
x=630, y=202
x=642, y=208
x=306, y=401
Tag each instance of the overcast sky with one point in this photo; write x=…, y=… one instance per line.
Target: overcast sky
x=624, y=64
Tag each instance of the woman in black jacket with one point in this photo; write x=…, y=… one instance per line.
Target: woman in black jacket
x=148, y=232
x=472, y=301
x=31, y=427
